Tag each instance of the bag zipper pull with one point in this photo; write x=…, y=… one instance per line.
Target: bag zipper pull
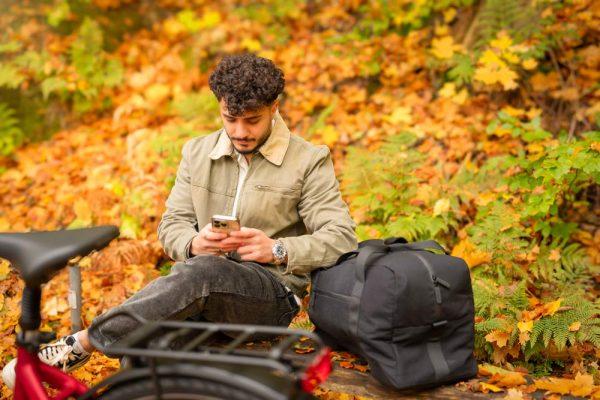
x=439, y=281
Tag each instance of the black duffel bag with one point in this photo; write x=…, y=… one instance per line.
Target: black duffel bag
x=407, y=308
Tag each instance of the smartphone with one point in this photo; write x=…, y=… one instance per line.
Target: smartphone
x=225, y=223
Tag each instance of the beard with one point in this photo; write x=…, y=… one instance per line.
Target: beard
x=258, y=142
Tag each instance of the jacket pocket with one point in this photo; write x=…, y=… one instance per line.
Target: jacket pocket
x=277, y=189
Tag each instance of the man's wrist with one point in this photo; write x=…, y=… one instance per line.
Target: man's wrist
x=279, y=253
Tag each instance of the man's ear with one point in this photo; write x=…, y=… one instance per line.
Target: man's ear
x=275, y=106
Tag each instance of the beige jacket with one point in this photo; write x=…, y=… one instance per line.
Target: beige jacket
x=290, y=192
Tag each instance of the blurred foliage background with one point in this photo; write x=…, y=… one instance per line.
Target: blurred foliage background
x=474, y=123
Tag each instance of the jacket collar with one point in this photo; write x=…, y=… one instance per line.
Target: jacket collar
x=273, y=149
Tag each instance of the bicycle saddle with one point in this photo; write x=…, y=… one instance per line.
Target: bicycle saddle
x=38, y=255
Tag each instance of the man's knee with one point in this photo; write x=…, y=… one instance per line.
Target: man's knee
x=204, y=268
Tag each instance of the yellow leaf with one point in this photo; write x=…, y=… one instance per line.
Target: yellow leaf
x=443, y=48
x=488, y=387
x=330, y=135
x=551, y=308
x=251, y=44
x=448, y=90
x=529, y=64
x=511, y=57
x=507, y=77
x=4, y=268
x=441, y=206
x=400, y=114
x=582, y=385
x=82, y=211
x=461, y=97
x=210, y=19
x=502, y=41
x=514, y=112
x=574, y=327
x=4, y=225
x=525, y=326
x=449, y=15
x=489, y=57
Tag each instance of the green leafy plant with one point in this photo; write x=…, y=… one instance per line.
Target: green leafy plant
x=11, y=136
x=381, y=185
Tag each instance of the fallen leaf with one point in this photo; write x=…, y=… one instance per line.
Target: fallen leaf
x=574, y=327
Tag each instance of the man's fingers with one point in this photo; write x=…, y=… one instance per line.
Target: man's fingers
x=253, y=256
x=246, y=250
x=215, y=236
x=245, y=232
x=232, y=241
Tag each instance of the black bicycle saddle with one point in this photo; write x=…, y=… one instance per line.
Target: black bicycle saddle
x=38, y=255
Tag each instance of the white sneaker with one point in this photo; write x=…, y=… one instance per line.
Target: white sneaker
x=64, y=353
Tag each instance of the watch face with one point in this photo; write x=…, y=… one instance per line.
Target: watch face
x=278, y=252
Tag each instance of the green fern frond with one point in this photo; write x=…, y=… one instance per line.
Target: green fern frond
x=11, y=135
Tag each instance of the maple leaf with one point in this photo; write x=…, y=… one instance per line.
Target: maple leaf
x=582, y=385
x=444, y=47
x=468, y=252
x=502, y=41
x=499, y=337
x=529, y=64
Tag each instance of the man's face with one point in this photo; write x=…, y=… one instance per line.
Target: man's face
x=250, y=130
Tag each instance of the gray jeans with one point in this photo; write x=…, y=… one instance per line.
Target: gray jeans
x=204, y=287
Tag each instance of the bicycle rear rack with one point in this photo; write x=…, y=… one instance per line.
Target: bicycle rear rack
x=191, y=342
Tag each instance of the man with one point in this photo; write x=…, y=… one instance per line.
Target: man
x=285, y=194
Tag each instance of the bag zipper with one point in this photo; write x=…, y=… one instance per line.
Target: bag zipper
x=436, y=280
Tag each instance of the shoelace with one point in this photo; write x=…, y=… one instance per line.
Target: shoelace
x=58, y=353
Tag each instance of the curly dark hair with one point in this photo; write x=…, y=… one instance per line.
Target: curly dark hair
x=246, y=82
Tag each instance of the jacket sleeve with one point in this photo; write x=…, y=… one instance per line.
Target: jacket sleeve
x=326, y=217
x=177, y=226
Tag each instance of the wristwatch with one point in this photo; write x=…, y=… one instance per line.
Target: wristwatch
x=279, y=253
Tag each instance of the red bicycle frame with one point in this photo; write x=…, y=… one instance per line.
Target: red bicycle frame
x=31, y=372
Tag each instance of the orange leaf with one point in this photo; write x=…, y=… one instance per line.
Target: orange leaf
x=467, y=251
x=500, y=337
x=508, y=379
x=582, y=385
x=574, y=327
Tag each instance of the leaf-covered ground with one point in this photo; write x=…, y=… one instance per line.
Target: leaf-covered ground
x=464, y=121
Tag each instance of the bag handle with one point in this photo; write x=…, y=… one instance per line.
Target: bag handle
x=363, y=260
x=427, y=245
x=364, y=256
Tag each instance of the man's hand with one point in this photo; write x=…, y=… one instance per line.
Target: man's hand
x=210, y=242
x=254, y=245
